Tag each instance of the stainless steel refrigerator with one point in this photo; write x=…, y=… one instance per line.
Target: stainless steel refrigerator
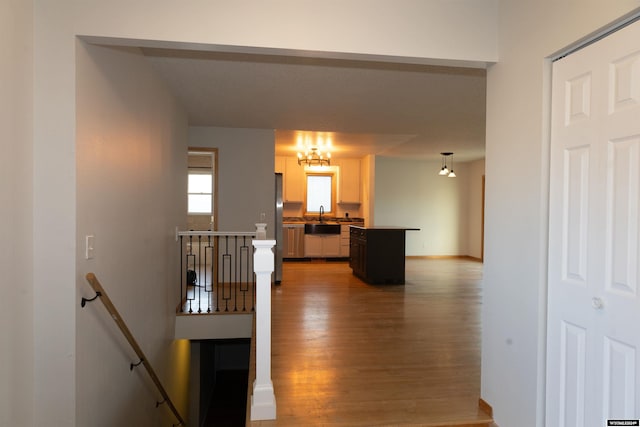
x=278, y=231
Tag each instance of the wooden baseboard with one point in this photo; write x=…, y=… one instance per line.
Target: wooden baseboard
x=485, y=407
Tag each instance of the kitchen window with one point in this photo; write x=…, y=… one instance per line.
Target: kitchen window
x=320, y=192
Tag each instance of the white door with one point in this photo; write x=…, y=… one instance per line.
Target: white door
x=593, y=336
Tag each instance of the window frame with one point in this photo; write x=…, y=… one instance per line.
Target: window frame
x=195, y=171
x=333, y=176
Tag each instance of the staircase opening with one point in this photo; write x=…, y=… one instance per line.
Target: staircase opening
x=223, y=382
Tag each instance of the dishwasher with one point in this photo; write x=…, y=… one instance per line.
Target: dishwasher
x=293, y=240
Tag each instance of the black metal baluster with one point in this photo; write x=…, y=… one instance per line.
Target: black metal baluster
x=226, y=274
x=244, y=272
x=208, y=256
x=182, y=278
x=192, y=257
x=199, y=275
x=240, y=242
x=216, y=240
x=235, y=274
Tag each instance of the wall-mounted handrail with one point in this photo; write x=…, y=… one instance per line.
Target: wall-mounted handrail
x=95, y=284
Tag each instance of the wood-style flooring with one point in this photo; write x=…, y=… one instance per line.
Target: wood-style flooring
x=346, y=353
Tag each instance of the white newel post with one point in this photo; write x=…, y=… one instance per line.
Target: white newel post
x=263, y=400
x=261, y=231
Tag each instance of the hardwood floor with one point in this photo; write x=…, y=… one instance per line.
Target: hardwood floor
x=346, y=353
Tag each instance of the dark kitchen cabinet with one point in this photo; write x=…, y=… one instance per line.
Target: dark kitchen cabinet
x=377, y=254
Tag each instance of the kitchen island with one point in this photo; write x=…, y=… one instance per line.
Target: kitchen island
x=377, y=254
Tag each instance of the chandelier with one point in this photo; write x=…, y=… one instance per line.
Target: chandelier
x=445, y=171
x=312, y=153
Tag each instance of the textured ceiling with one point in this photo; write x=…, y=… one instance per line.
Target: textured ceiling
x=396, y=110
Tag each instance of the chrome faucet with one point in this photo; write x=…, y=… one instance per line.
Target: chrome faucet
x=321, y=212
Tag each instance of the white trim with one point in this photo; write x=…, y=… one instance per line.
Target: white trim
x=545, y=188
x=598, y=34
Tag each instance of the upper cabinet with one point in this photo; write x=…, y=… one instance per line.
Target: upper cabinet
x=349, y=180
x=348, y=176
x=293, y=177
x=279, y=164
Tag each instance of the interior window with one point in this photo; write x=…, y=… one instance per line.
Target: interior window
x=201, y=188
x=200, y=192
x=320, y=193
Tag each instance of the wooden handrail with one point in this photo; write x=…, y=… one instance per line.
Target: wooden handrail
x=100, y=292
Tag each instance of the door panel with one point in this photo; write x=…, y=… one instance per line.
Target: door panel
x=622, y=217
x=575, y=215
x=572, y=375
x=593, y=321
x=619, y=389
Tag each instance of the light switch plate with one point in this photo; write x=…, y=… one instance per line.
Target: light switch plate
x=89, y=246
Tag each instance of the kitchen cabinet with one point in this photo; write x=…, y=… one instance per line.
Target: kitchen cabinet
x=322, y=246
x=378, y=253
x=345, y=237
x=294, y=181
x=279, y=164
x=349, y=181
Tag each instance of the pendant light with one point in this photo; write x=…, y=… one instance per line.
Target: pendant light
x=445, y=171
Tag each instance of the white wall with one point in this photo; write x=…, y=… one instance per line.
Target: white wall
x=246, y=180
x=406, y=30
x=368, y=188
x=131, y=194
x=514, y=294
x=16, y=276
x=411, y=193
x=475, y=171
x=54, y=216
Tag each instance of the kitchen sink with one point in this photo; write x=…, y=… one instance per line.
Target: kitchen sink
x=321, y=228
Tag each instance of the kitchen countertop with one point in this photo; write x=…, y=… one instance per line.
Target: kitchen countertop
x=382, y=227
x=303, y=220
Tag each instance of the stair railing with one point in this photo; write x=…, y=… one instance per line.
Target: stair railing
x=100, y=293
x=216, y=272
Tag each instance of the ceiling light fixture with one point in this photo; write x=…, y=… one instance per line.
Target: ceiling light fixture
x=312, y=153
x=445, y=171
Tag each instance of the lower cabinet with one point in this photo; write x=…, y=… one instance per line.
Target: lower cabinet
x=377, y=254
x=344, y=241
x=322, y=246
x=358, y=252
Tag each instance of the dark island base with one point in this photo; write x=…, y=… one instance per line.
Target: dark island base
x=378, y=254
